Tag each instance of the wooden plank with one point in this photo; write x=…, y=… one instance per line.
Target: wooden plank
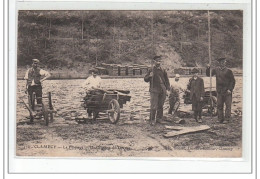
x=186, y=130
x=131, y=122
x=177, y=128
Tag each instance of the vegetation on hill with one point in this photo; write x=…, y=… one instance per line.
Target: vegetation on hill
x=78, y=39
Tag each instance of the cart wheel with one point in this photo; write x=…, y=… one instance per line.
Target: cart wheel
x=114, y=111
x=45, y=114
x=212, y=105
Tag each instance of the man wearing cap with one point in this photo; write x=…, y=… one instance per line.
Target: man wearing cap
x=197, y=92
x=225, y=83
x=159, y=84
x=174, y=96
x=34, y=80
x=92, y=82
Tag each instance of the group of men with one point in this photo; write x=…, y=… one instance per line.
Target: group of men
x=159, y=88
x=159, y=85
x=35, y=76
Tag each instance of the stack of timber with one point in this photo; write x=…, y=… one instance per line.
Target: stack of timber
x=122, y=70
x=100, y=99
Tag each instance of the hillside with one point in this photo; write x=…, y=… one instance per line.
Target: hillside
x=77, y=40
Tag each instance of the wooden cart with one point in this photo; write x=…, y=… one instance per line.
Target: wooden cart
x=209, y=103
x=109, y=101
x=45, y=109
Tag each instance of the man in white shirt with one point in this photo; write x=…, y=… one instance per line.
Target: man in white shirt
x=33, y=77
x=92, y=82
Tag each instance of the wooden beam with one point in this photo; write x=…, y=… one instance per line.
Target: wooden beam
x=177, y=128
x=185, y=130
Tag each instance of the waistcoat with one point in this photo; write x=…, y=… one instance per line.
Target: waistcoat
x=34, y=74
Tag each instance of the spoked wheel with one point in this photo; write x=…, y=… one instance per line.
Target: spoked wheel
x=212, y=105
x=113, y=111
x=45, y=114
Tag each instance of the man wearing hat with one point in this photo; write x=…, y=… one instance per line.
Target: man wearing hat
x=197, y=92
x=34, y=80
x=225, y=83
x=159, y=84
x=92, y=82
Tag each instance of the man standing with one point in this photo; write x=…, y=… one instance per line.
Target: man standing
x=34, y=80
x=92, y=82
x=159, y=83
x=197, y=92
x=225, y=83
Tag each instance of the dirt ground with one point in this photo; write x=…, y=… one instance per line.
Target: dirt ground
x=132, y=136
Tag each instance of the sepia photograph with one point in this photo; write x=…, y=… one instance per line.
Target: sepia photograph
x=129, y=83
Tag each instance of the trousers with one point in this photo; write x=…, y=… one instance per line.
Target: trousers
x=172, y=101
x=224, y=98
x=196, y=107
x=196, y=104
x=37, y=89
x=157, y=102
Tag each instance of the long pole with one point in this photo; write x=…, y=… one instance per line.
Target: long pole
x=210, y=61
x=152, y=51
x=82, y=27
x=152, y=34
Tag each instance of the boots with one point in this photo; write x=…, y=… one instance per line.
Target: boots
x=199, y=120
x=196, y=116
x=159, y=115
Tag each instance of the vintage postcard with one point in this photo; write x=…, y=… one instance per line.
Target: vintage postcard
x=143, y=83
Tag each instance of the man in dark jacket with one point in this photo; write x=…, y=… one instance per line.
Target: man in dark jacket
x=225, y=83
x=159, y=84
x=197, y=92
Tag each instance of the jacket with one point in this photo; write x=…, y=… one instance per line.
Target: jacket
x=159, y=83
x=196, y=88
x=224, y=79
